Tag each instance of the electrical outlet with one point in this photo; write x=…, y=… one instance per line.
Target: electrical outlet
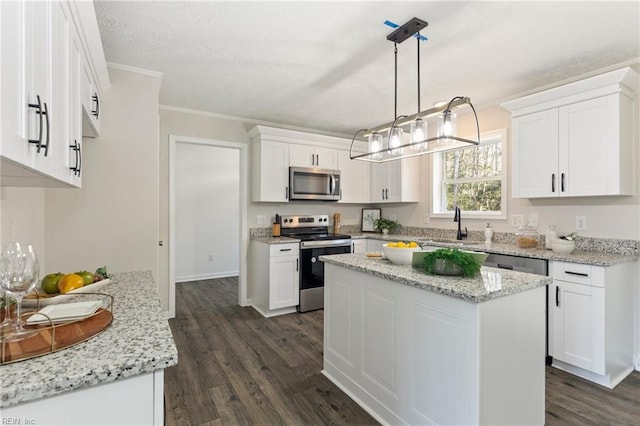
x=393, y=216
x=210, y=258
x=581, y=223
x=517, y=219
x=425, y=218
x=532, y=220
x=262, y=220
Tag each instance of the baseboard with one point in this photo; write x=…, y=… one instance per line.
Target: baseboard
x=637, y=362
x=188, y=278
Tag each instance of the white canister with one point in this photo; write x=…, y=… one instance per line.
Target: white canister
x=549, y=236
x=488, y=233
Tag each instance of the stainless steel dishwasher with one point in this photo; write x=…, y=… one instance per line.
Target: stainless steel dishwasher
x=531, y=266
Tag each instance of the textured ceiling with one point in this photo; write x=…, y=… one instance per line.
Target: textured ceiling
x=328, y=65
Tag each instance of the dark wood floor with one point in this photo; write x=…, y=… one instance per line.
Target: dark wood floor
x=236, y=367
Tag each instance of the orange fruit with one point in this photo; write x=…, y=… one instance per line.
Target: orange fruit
x=70, y=282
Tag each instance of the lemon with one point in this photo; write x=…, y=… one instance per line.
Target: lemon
x=70, y=282
x=391, y=244
x=401, y=244
x=413, y=244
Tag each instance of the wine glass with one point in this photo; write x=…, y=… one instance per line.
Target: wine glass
x=19, y=271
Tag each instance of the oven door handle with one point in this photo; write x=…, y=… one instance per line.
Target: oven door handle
x=325, y=243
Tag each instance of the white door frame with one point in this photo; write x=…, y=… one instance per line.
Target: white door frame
x=244, y=234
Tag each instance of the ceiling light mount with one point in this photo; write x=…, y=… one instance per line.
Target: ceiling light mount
x=418, y=143
x=406, y=30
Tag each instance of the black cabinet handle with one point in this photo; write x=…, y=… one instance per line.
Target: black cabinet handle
x=96, y=112
x=78, y=154
x=557, y=296
x=46, y=116
x=80, y=158
x=562, y=182
x=285, y=249
x=580, y=274
x=502, y=266
x=38, y=108
x=383, y=194
x=286, y=192
x=297, y=265
x=553, y=182
x=386, y=194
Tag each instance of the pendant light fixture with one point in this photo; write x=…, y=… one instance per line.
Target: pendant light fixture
x=393, y=146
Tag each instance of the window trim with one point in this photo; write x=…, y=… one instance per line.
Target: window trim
x=436, y=182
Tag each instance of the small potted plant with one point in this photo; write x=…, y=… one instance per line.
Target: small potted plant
x=385, y=225
x=451, y=262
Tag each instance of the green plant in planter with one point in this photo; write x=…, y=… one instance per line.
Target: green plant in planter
x=381, y=223
x=465, y=261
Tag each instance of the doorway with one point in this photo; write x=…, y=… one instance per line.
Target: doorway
x=199, y=254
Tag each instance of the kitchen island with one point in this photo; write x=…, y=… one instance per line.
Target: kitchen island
x=116, y=377
x=420, y=349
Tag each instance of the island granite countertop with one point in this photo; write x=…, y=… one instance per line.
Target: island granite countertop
x=138, y=341
x=490, y=284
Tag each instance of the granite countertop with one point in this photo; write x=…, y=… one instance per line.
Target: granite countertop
x=275, y=240
x=138, y=341
x=490, y=284
x=597, y=258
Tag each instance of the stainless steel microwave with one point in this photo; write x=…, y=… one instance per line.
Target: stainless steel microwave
x=307, y=183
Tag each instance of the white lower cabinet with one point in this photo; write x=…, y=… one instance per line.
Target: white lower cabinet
x=591, y=320
x=274, y=276
x=137, y=400
x=358, y=246
x=374, y=245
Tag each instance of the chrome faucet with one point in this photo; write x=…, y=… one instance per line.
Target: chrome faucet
x=457, y=217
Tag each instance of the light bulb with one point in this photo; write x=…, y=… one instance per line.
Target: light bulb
x=449, y=124
x=395, y=137
x=418, y=133
x=375, y=142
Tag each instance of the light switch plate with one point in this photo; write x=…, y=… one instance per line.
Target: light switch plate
x=581, y=223
x=532, y=220
x=262, y=219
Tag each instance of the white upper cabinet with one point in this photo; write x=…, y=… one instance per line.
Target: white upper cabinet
x=91, y=96
x=312, y=156
x=395, y=181
x=355, y=176
x=269, y=171
x=42, y=51
x=575, y=140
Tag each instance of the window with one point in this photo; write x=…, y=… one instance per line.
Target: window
x=472, y=178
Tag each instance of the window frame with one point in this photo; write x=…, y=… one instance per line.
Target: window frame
x=437, y=189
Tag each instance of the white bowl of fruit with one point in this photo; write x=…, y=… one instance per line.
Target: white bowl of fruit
x=400, y=253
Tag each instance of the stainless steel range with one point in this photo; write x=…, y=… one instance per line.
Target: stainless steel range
x=316, y=241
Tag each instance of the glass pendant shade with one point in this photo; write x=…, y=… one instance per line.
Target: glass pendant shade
x=375, y=142
x=395, y=137
x=418, y=133
x=448, y=124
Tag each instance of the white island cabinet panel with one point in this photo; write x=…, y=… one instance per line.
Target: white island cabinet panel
x=408, y=355
x=380, y=324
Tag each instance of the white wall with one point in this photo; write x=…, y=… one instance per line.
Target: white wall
x=22, y=215
x=113, y=219
x=207, y=211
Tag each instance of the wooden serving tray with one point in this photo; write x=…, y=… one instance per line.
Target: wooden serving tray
x=52, y=338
